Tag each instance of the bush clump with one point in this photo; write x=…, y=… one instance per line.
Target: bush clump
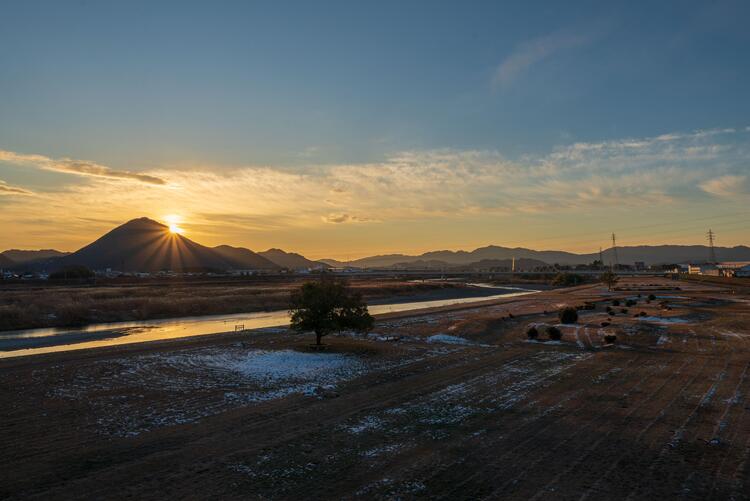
x=610, y=338
x=532, y=332
x=71, y=273
x=624, y=310
x=615, y=302
x=554, y=333
x=568, y=315
x=631, y=302
x=651, y=297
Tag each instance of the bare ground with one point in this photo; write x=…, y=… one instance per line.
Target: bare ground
x=449, y=404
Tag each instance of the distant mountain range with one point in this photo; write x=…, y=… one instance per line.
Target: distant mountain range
x=25, y=256
x=6, y=262
x=147, y=245
x=242, y=258
x=291, y=260
x=651, y=255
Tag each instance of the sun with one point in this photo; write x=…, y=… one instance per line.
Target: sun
x=173, y=221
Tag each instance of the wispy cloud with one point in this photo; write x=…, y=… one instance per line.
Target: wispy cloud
x=248, y=203
x=534, y=51
x=342, y=217
x=727, y=186
x=6, y=189
x=77, y=167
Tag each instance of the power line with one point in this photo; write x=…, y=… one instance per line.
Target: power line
x=711, y=252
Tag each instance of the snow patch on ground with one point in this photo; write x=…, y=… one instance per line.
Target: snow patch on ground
x=500, y=389
x=276, y=366
x=448, y=339
x=201, y=383
x=664, y=320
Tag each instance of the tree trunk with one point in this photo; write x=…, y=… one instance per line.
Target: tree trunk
x=318, y=337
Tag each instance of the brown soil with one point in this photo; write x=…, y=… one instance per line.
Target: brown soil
x=662, y=413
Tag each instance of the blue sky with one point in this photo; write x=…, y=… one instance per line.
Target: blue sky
x=217, y=86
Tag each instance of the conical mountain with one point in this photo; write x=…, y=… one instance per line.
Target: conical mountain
x=145, y=245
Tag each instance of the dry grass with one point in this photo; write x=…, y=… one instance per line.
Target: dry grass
x=56, y=306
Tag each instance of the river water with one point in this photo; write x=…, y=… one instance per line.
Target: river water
x=49, y=340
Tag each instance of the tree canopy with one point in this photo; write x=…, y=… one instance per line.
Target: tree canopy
x=328, y=306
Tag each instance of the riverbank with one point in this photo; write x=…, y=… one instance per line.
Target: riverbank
x=418, y=408
x=35, y=306
x=47, y=340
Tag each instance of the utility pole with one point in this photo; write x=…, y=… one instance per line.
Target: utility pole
x=711, y=251
x=601, y=258
x=614, y=262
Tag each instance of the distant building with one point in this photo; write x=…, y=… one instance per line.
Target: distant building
x=743, y=272
x=704, y=269
x=639, y=265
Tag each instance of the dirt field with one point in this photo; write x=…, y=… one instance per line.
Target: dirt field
x=454, y=404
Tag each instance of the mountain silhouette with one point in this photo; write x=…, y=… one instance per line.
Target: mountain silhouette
x=6, y=262
x=242, y=258
x=19, y=256
x=146, y=245
x=291, y=260
x=651, y=255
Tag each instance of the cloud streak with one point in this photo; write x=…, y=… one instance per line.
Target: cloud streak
x=77, y=167
x=249, y=203
x=8, y=190
x=728, y=186
x=532, y=52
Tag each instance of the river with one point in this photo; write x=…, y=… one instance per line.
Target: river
x=49, y=340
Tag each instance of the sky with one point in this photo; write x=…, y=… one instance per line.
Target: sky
x=348, y=129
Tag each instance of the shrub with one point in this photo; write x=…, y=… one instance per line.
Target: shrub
x=651, y=297
x=604, y=324
x=643, y=314
x=615, y=302
x=532, y=333
x=71, y=273
x=568, y=315
x=623, y=310
x=554, y=333
x=610, y=338
x=567, y=279
x=72, y=314
x=631, y=302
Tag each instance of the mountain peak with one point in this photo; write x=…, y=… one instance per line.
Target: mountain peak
x=143, y=222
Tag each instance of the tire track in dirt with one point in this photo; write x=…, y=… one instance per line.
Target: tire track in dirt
x=605, y=431
x=519, y=439
x=668, y=455
x=293, y=419
x=608, y=484
x=520, y=464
